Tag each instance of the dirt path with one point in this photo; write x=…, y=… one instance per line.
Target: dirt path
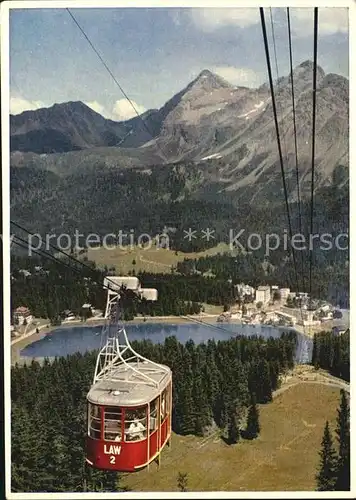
x=306, y=374
x=155, y=263
x=29, y=333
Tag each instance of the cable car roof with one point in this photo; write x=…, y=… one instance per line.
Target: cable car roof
x=116, y=282
x=149, y=293
x=124, y=387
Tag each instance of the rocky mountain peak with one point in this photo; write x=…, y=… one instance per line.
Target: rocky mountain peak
x=209, y=80
x=306, y=68
x=208, y=120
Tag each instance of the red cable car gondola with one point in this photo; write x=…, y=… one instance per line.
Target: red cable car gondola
x=130, y=401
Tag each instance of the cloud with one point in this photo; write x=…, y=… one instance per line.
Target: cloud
x=99, y=108
x=122, y=110
x=331, y=19
x=18, y=105
x=238, y=76
x=210, y=19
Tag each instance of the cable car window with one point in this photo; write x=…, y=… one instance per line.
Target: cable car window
x=135, y=424
x=154, y=415
x=112, y=424
x=168, y=399
x=164, y=404
x=94, y=422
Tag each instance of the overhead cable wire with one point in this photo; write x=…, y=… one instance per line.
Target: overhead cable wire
x=61, y=262
x=277, y=81
x=130, y=101
x=286, y=152
x=274, y=44
x=42, y=253
x=313, y=145
x=277, y=84
x=295, y=141
x=115, y=81
x=296, y=158
x=25, y=244
x=189, y=448
x=111, y=74
x=68, y=256
x=264, y=32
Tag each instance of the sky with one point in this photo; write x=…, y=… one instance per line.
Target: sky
x=155, y=52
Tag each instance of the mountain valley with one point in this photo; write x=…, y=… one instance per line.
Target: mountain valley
x=213, y=145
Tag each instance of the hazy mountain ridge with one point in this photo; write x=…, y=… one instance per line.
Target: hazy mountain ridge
x=74, y=126
x=211, y=123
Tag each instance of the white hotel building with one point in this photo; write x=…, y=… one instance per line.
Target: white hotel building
x=263, y=294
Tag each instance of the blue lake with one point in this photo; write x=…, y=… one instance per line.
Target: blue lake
x=68, y=340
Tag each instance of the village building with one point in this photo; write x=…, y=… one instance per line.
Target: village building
x=21, y=315
x=263, y=294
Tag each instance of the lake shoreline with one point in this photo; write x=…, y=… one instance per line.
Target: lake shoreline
x=19, y=344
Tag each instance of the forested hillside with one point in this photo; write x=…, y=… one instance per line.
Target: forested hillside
x=330, y=279
x=55, y=287
x=213, y=383
x=176, y=198
x=101, y=200
x=332, y=352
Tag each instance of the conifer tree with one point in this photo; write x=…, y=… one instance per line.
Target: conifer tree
x=265, y=382
x=185, y=396
x=201, y=405
x=224, y=411
x=212, y=378
x=241, y=385
x=49, y=405
x=326, y=476
x=343, y=438
x=26, y=449
x=233, y=426
x=182, y=481
x=343, y=426
x=253, y=424
x=273, y=374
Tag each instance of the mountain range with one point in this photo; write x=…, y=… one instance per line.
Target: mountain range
x=228, y=131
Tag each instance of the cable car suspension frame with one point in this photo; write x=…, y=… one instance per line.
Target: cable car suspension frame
x=117, y=350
